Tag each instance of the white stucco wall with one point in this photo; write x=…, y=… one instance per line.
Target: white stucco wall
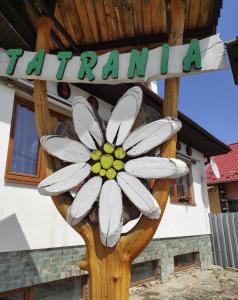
x=30, y=221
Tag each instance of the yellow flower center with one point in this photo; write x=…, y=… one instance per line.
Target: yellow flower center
x=109, y=162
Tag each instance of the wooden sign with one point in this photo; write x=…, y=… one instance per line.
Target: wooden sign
x=112, y=68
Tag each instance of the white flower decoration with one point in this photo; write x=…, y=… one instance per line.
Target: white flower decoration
x=109, y=163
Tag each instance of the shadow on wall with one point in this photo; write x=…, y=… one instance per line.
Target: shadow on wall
x=12, y=235
x=17, y=268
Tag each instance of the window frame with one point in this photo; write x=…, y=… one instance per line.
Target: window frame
x=21, y=177
x=174, y=199
x=179, y=267
x=40, y=170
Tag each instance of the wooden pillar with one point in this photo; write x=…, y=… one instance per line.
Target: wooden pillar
x=109, y=268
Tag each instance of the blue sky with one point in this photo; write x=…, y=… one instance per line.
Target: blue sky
x=211, y=99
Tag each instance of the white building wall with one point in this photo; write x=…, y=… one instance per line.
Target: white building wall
x=30, y=221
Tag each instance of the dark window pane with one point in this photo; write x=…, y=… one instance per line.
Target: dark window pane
x=19, y=296
x=233, y=205
x=142, y=271
x=185, y=260
x=62, y=290
x=26, y=143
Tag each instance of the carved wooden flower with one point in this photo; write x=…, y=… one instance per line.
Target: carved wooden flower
x=108, y=161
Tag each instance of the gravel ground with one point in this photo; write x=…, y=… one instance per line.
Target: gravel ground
x=212, y=283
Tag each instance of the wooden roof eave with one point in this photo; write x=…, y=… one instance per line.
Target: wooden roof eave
x=126, y=23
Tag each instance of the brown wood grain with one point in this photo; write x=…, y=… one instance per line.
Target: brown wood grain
x=65, y=12
x=90, y=9
x=81, y=36
x=101, y=20
x=194, y=11
x=204, y=13
x=114, y=33
x=147, y=16
x=163, y=16
x=84, y=21
x=137, y=13
x=156, y=16
x=59, y=34
x=127, y=11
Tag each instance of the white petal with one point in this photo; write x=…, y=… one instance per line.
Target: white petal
x=151, y=135
x=156, y=167
x=65, y=148
x=86, y=124
x=138, y=194
x=64, y=179
x=84, y=200
x=110, y=213
x=124, y=116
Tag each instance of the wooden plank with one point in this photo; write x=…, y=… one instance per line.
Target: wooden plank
x=60, y=20
x=84, y=200
x=139, y=195
x=101, y=20
x=127, y=108
x=119, y=21
x=85, y=124
x=75, y=21
x=151, y=135
x=90, y=9
x=84, y=21
x=137, y=13
x=114, y=32
x=204, y=13
x=194, y=11
x=64, y=10
x=186, y=7
x=147, y=16
x=110, y=213
x=65, y=148
x=156, y=167
x=64, y=179
x=127, y=13
x=156, y=16
x=163, y=16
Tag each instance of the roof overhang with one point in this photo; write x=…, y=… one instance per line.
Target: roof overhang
x=191, y=133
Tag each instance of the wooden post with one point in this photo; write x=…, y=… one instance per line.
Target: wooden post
x=109, y=268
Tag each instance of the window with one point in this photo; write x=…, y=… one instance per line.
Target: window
x=143, y=272
x=185, y=261
x=25, y=159
x=24, y=154
x=69, y=289
x=181, y=189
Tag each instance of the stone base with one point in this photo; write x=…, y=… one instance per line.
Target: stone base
x=27, y=268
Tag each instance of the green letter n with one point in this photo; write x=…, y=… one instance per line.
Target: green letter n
x=138, y=61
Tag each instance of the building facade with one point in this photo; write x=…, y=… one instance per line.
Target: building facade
x=223, y=191
x=39, y=251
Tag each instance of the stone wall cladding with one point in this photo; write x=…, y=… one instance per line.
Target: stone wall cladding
x=26, y=268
